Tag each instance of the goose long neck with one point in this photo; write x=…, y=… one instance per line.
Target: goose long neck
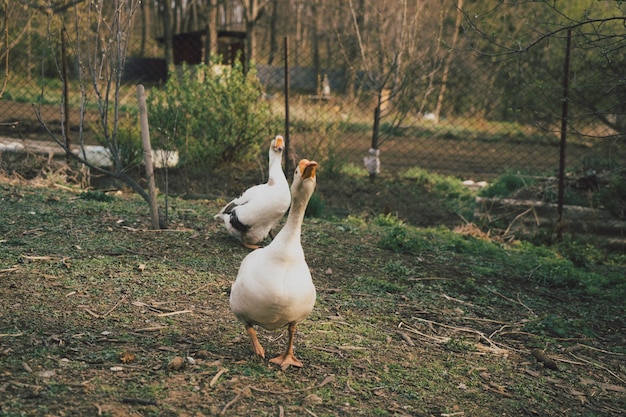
x=276, y=168
x=292, y=229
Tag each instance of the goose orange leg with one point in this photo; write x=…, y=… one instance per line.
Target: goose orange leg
x=288, y=359
x=256, y=346
x=245, y=244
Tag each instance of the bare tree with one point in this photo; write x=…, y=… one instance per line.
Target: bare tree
x=253, y=10
x=389, y=57
x=98, y=33
x=597, y=91
x=6, y=47
x=165, y=7
x=273, y=39
x=13, y=30
x=448, y=61
x=211, y=44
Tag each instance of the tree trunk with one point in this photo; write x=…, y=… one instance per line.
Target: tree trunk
x=354, y=51
x=446, y=68
x=145, y=21
x=252, y=14
x=272, y=35
x=315, y=47
x=211, y=45
x=168, y=35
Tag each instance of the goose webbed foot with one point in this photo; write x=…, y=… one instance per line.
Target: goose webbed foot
x=256, y=346
x=288, y=359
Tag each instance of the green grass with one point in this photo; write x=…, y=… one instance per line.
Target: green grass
x=90, y=279
x=53, y=92
x=536, y=264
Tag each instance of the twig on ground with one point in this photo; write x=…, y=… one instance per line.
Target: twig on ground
x=38, y=258
x=151, y=329
x=483, y=320
x=601, y=350
x=437, y=339
x=525, y=306
x=11, y=334
x=506, y=232
x=326, y=380
x=217, y=376
x=406, y=338
x=156, y=306
x=430, y=279
x=139, y=401
x=493, y=345
x=199, y=288
x=234, y=400
x=512, y=300
x=95, y=315
x=447, y=297
x=114, y=307
x=601, y=367
x=496, y=390
x=174, y=313
x=101, y=316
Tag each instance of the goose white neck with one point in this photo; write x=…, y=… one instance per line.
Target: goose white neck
x=292, y=229
x=275, y=165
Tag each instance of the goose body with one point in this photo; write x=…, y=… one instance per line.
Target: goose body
x=274, y=287
x=252, y=216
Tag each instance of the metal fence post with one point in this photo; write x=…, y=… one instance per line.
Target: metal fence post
x=564, y=113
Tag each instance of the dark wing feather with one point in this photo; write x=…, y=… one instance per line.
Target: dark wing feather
x=236, y=223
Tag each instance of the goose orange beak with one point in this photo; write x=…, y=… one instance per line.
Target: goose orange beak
x=307, y=168
x=279, y=143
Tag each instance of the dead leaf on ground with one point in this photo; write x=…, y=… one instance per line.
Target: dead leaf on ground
x=127, y=357
x=177, y=363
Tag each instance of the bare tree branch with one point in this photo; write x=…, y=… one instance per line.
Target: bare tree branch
x=50, y=9
x=100, y=46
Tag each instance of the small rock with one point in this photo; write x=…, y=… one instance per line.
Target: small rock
x=177, y=363
x=313, y=399
x=202, y=354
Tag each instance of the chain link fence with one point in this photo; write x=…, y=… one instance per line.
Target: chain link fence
x=473, y=91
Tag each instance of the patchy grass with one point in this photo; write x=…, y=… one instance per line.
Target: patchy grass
x=408, y=321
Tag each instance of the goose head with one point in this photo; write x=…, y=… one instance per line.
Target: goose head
x=304, y=180
x=276, y=151
x=278, y=144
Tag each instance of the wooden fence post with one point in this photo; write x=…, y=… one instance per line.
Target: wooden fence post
x=147, y=156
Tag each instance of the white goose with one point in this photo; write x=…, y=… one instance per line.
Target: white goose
x=252, y=216
x=274, y=287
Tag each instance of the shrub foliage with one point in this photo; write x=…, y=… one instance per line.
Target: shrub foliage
x=212, y=115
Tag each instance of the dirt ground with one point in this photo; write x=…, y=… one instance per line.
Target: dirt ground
x=101, y=316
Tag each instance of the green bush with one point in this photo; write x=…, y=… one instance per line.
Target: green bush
x=315, y=208
x=127, y=139
x=439, y=185
x=505, y=185
x=212, y=115
x=613, y=196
